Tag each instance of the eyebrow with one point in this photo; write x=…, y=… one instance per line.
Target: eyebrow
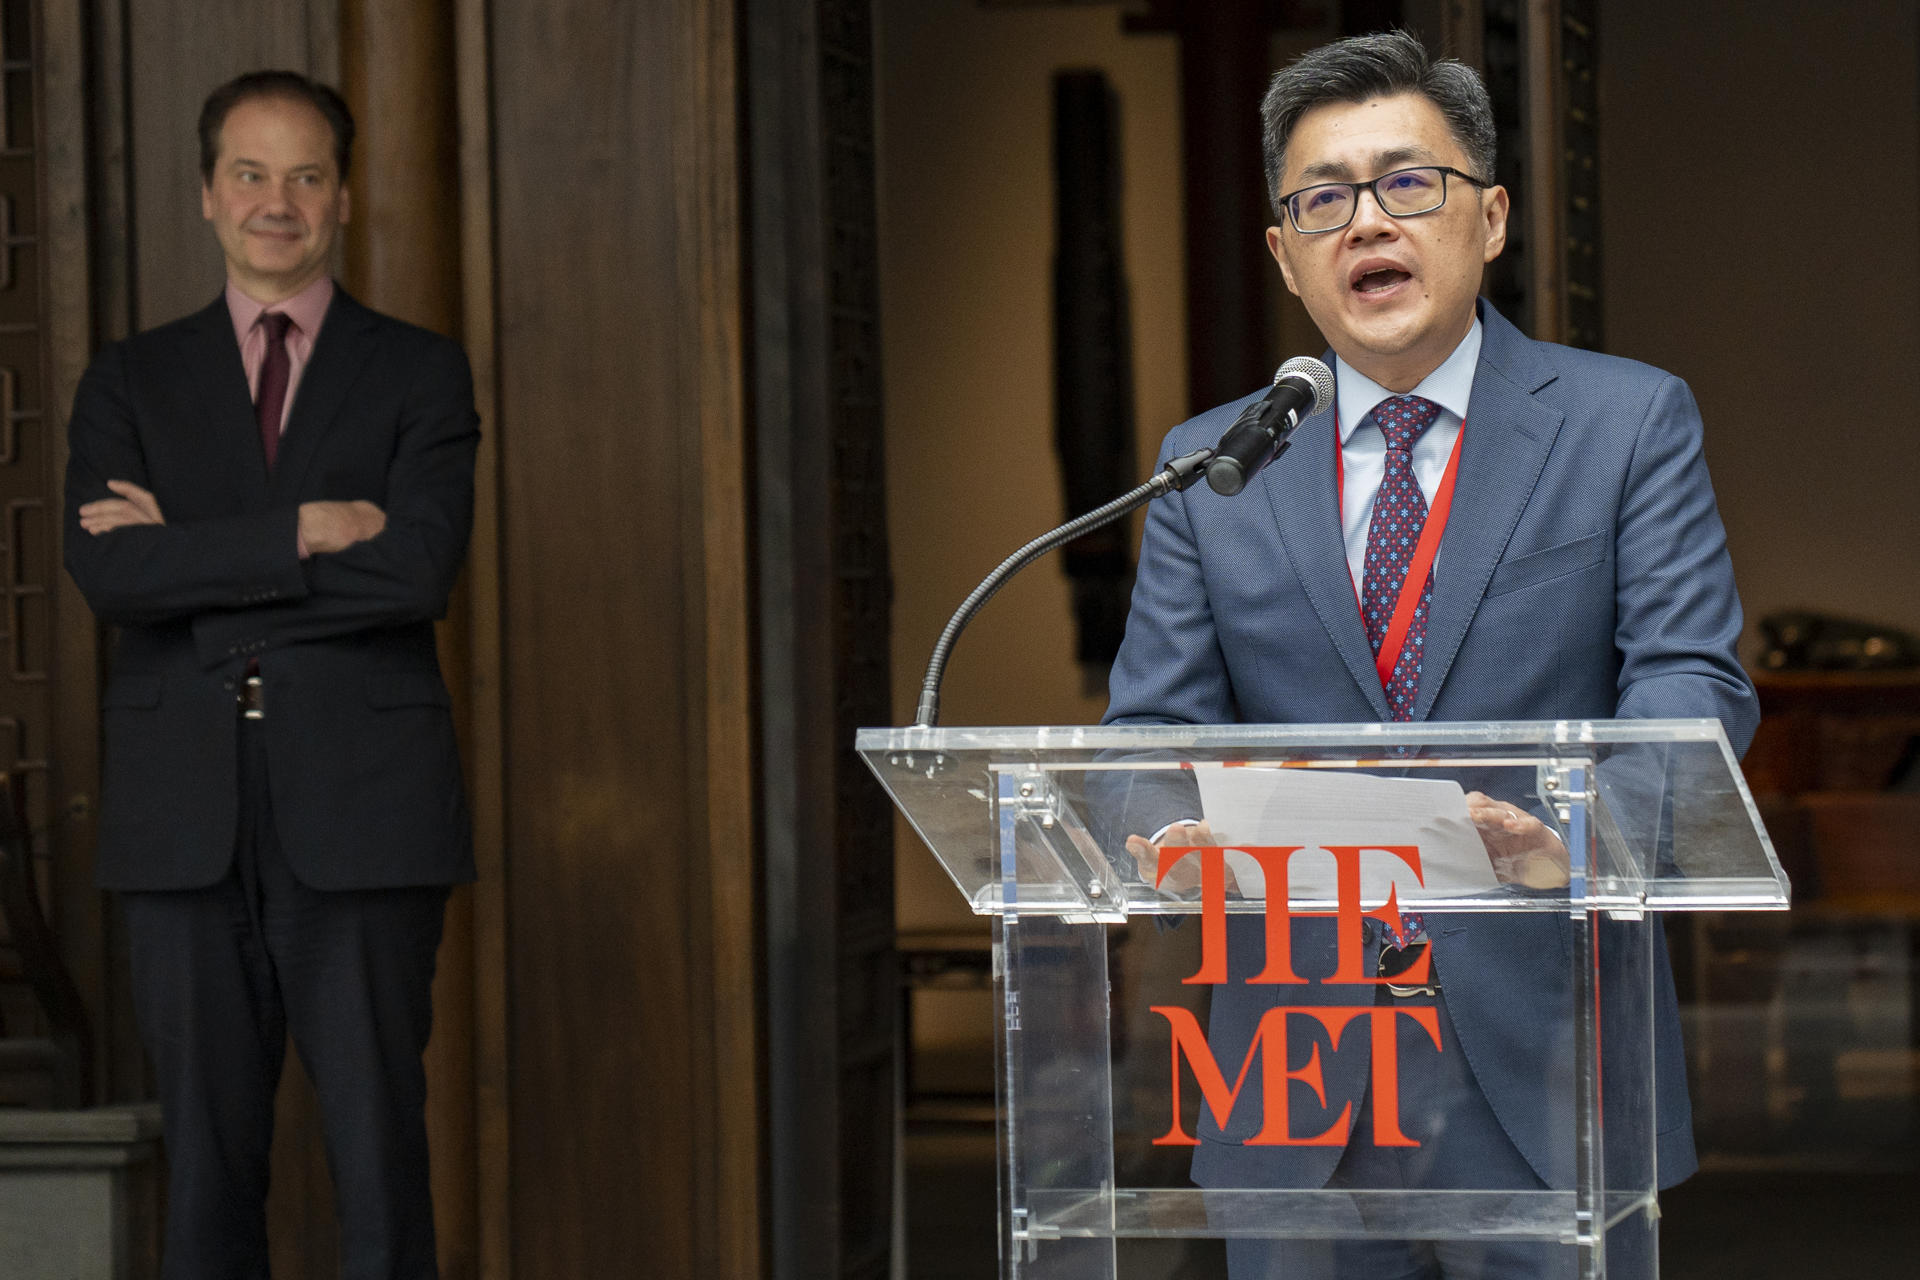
x=1383, y=162
x=243, y=162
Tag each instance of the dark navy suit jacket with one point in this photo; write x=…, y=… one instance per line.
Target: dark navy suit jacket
x=1583, y=575
x=366, y=784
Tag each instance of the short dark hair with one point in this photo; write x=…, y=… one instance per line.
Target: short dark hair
x=290, y=86
x=1376, y=66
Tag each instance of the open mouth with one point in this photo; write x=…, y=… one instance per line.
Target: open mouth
x=1379, y=278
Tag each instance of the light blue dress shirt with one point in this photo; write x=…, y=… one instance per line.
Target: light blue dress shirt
x=1363, y=449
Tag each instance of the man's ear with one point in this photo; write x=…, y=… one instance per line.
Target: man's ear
x=206, y=201
x=1494, y=207
x=1278, y=248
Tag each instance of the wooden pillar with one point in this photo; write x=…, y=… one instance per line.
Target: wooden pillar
x=403, y=243
x=484, y=740
x=626, y=686
x=403, y=256
x=822, y=612
x=74, y=742
x=1545, y=124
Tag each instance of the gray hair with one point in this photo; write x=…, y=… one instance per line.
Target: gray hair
x=1375, y=66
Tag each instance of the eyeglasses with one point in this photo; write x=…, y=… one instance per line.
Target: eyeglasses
x=1329, y=206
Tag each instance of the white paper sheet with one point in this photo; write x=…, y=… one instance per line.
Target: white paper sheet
x=1253, y=805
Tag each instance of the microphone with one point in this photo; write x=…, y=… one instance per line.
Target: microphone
x=1301, y=388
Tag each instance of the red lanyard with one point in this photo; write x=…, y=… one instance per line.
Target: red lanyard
x=1423, y=552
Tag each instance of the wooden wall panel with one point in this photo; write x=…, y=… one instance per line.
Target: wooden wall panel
x=74, y=746
x=728, y=995
x=484, y=743
x=600, y=802
x=171, y=65
x=623, y=603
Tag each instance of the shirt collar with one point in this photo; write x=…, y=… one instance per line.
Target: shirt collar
x=307, y=308
x=1449, y=386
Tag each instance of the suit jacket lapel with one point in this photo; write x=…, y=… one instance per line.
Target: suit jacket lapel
x=345, y=344
x=1508, y=437
x=1303, y=493
x=213, y=358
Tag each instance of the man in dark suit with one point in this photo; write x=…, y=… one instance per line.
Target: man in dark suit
x=270, y=500
x=1582, y=574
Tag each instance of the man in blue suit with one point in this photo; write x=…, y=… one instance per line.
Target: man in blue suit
x=1582, y=573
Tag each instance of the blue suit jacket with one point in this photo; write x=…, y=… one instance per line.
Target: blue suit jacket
x=1583, y=575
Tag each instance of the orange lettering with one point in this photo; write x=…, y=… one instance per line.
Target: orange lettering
x=1213, y=908
x=1273, y=860
x=1386, y=1069
x=1352, y=927
x=1274, y=1075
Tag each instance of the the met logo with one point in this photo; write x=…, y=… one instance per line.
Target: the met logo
x=1270, y=1039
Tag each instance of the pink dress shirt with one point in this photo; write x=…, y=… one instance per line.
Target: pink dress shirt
x=307, y=309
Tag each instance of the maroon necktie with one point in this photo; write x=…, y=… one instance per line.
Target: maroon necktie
x=269, y=407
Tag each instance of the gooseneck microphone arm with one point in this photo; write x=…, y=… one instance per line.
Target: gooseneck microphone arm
x=1179, y=474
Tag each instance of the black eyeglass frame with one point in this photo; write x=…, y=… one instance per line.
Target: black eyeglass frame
x=1286, y=201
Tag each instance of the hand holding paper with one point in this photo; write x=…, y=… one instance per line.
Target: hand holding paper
x=1184, y=876
x=1468, y=842
x=1525, y=851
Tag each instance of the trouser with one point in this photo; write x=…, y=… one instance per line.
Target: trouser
x=221, y=976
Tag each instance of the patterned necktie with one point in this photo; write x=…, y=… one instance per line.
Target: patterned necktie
x=1399, y=514
x=270, y=405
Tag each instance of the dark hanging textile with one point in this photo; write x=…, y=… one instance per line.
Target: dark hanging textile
x=1092, y=358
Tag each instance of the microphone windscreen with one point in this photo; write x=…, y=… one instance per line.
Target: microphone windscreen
x=1315, y=372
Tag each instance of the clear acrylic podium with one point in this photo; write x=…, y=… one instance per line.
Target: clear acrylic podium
x=1102, y=1097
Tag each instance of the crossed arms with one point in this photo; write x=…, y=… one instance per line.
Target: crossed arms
x=240, y=579
x=323, y=526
